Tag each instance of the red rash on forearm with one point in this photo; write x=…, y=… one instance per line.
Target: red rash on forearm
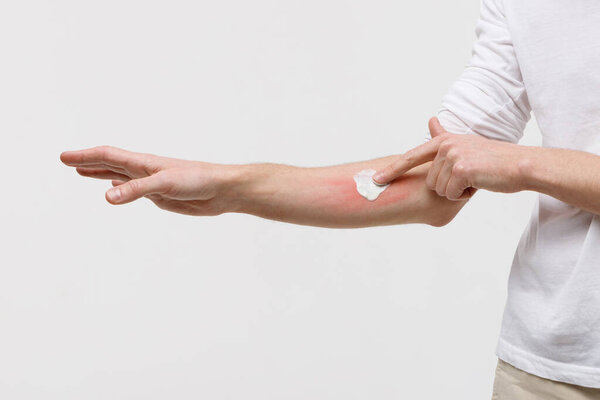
x=340, y=194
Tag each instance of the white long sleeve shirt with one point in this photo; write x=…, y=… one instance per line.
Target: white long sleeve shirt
x=542, y=56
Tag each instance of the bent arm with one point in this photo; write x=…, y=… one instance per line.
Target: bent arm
x=327, y=196
x=489, y=98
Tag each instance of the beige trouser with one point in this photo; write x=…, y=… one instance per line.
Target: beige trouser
x=511, y=383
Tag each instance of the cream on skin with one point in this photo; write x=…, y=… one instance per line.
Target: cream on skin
x=365, y=185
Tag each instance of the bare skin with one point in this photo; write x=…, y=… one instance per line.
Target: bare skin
x=464, y=163
x=429, y=184
x=321, y=196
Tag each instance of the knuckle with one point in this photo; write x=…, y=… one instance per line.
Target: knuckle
x=146, y=164
x=445, y=146
x=408, y=157
x=133, y=188
x=393, y=167
x=104, y=150
x=459, y=169
x=452, y=154
x=454, y=140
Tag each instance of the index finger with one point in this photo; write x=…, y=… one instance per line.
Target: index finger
x=407, y=161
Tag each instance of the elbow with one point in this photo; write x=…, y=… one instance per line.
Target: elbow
x=445, y=214
x=440, y=222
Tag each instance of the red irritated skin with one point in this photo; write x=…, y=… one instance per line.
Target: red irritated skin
x=327, y=197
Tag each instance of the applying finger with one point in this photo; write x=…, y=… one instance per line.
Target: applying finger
x=412, y=158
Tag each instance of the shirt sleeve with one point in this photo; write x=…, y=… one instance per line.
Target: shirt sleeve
x=489, y=97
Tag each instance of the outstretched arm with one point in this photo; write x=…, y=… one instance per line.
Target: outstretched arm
x=319, y=196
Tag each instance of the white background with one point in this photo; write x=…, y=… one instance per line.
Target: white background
x=131, y=302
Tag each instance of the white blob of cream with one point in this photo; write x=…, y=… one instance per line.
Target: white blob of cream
x=365, y=185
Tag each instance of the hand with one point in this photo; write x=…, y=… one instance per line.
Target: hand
x=461, y=164
x=185, y=187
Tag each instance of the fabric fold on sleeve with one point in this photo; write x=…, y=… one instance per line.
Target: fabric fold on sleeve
x=489, y=98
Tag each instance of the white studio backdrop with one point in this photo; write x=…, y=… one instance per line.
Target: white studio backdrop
x=131, y=302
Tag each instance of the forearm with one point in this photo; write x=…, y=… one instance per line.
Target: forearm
x=567, y=175
x=327, y=196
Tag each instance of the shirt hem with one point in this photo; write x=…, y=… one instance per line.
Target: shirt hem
x=546, y=368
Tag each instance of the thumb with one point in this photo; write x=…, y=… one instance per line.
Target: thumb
x=135, y=189
x=435, y=128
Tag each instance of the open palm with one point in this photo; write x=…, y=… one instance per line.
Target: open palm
x=182, y=186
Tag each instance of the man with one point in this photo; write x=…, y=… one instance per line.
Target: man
x=530, y=55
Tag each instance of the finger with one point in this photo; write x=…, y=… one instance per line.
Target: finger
x=132, y=174
x=100, y=173
x=435, y=128
x=136, y=188
x=458, y=188
x=120, y=170
x=434, y=171
x=108, y=155
x=412, y=158
x=117, y=182
x=443, y=178
x=94, y=155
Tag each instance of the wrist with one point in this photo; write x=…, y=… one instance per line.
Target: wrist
x=238, y=183
x=529, y=166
